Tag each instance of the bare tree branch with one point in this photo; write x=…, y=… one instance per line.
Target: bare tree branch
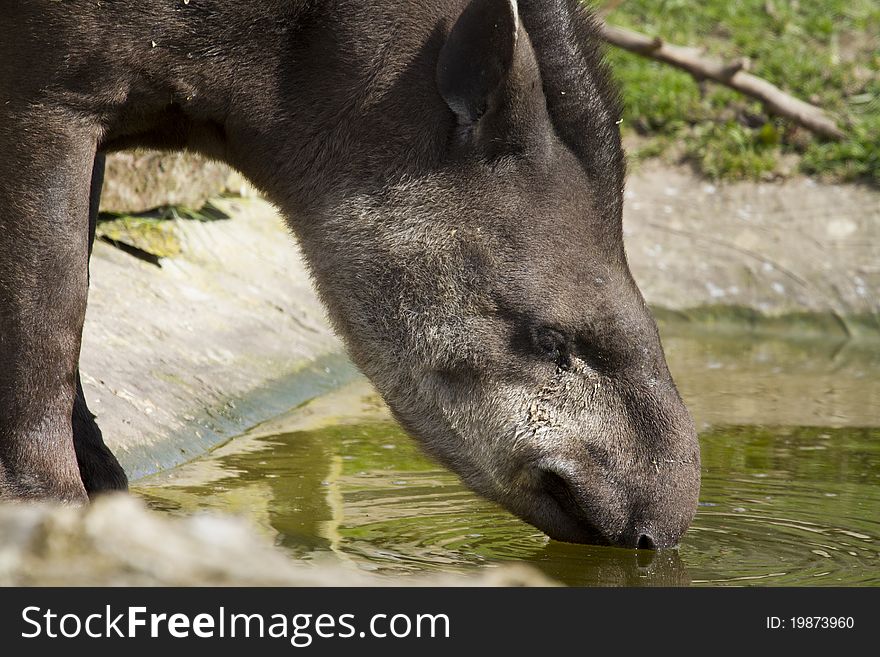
x=734, y=75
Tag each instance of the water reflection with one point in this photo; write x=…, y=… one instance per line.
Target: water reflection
x=744, y=379
x=575, y=566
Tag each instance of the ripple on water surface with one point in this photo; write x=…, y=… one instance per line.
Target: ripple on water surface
x=780, y=505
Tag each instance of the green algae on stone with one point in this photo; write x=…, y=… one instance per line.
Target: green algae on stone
x=154, y=236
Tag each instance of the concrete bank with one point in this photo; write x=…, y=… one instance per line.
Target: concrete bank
x=179, y=357
x=796, y=255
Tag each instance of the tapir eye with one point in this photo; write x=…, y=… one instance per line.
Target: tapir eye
x=551, y=344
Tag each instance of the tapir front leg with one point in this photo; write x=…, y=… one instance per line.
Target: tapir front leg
x=98, y=468
x=45, y=170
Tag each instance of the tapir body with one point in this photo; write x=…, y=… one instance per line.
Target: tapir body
x=453, y=171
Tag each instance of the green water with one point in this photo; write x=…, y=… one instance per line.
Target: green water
x=790, y=435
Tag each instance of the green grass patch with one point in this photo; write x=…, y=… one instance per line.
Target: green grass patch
x=823, y=51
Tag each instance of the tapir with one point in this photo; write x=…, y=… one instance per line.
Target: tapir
x=453, y=172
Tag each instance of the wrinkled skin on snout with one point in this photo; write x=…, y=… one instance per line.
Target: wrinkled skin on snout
x=490, y=302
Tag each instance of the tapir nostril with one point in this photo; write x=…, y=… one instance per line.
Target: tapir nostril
x=645, y=542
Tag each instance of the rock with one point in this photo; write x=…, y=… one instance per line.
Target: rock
x=117, y=541
x=153, y=236
x=136, y=181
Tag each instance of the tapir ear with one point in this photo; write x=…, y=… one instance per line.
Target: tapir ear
x=477, y=56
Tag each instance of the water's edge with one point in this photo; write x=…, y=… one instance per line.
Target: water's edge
x=213, y=427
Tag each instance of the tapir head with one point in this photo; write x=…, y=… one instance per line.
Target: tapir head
x=490, y=301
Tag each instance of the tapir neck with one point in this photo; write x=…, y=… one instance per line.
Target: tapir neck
x=312, y=100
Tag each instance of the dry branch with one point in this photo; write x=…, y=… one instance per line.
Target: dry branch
x=733, y=75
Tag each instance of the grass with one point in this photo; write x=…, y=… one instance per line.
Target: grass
x=824, y=51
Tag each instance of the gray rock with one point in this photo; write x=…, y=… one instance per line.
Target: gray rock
x=136, y=181
x=117, y=541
